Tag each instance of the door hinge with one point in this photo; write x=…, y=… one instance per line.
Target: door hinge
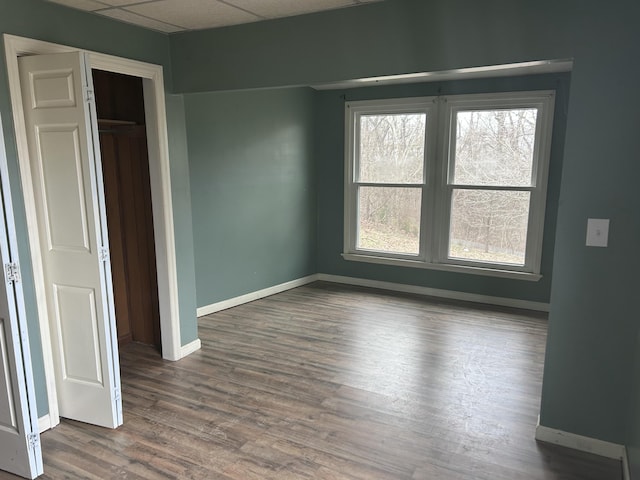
x=116, y=395
x=103, y=254
x=12, y=272
x=34, y=441
x=88, y=95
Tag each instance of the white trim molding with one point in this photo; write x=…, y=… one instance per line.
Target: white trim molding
x=250, y=297
x=491, y=71
x=44, y=423
x=190, y=347
x=580, y=442
x=363, y=282
x=444, y=267
x=436, y=292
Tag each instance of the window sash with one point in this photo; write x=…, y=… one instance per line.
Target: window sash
x=419, y=189
x=504, y=105
x=397, y=111
x=353, y=112
x=543, y=102
x=487, y=230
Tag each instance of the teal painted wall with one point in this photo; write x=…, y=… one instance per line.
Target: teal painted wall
x=330, y=152
x=591, y=341
x=47, y=21
x=252, y=189
x=383, y=38
x=593, y=323
x=183, y=225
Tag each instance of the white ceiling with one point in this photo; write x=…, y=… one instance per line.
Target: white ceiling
x=172, y=16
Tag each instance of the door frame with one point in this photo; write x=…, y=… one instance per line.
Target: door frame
x=159, y=170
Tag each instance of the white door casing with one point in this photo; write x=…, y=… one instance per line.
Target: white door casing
x=69, y=199
x=152, y=77
x=20, y=453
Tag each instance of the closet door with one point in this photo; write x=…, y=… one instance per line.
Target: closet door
x=57, y=94
x=19, y=438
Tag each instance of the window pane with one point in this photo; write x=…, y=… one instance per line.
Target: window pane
x=389, y=219
x=489, y=226
x=392, y=148
x=495, y=147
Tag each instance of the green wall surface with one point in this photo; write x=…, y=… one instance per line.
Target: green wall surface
x=330, y=154
x=252, y=188
x=591, y=347
x=183, y=224
x=593, y=322
x=383, y=38
x=53, y=23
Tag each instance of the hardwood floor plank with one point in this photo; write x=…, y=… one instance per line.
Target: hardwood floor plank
x=333, y=382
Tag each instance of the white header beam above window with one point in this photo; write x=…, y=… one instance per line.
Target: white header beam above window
x=493, y=71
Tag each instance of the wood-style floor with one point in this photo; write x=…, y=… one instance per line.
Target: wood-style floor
x=332, y=382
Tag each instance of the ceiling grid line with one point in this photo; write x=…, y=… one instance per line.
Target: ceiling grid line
x=172, y=16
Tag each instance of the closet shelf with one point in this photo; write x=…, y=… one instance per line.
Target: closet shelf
x=109, y=121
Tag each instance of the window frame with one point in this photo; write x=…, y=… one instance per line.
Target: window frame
x=437, y=189
x=353, y=112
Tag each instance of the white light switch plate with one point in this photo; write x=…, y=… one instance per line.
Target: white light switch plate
x=597, y=232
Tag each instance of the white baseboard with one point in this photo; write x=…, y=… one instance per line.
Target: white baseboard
x=626, y=469
x=436, y=292
x=189, y=348
x=44, y=423
x=250, y=297
x=579, y=442
x=363, y=282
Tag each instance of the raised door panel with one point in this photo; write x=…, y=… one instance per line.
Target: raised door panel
x=77, y=321
x=64, y=197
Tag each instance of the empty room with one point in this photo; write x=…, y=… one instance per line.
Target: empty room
x=272, y=239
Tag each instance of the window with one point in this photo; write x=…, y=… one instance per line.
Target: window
x=455, y=183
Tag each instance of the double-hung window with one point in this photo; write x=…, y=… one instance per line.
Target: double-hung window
x=453, y=183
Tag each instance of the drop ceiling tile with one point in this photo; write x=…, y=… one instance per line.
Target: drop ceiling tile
x=89, y=5
x=285, y=8
x=140, y=20
x=194, y=14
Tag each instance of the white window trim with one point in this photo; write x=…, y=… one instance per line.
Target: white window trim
x=426, y=105
x=436, y=190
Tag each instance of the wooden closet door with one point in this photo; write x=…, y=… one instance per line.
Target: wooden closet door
x=129, y=215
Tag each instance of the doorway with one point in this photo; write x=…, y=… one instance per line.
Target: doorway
x=159, y=172
x=125, y=169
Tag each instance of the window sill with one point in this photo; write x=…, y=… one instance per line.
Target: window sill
x=487, y=272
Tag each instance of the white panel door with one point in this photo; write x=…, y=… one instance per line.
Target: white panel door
x=57, y=95
x=19, y=439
